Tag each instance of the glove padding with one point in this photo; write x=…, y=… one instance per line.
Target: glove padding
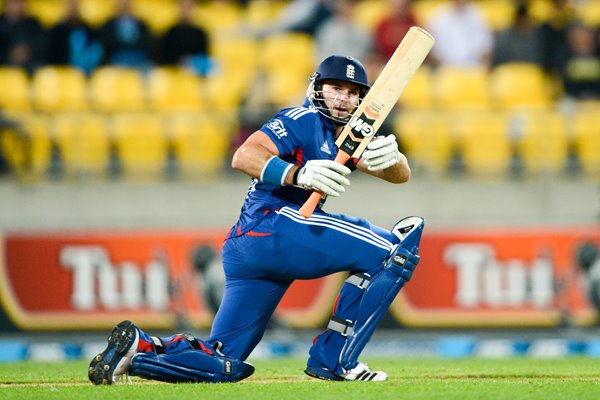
x=381, y=153
x=326, y=176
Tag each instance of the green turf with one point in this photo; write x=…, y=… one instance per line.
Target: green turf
x=281, y=379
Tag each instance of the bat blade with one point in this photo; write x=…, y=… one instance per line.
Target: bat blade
x=379, y=101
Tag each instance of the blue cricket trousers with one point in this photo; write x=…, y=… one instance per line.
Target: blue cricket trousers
x=261, y=264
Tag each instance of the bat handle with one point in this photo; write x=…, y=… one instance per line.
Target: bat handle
x=309, y=205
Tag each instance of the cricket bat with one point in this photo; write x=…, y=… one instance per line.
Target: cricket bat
x=378, y=102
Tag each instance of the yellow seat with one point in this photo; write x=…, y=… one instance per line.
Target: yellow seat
x=424, y=9
x=484, y=141
x=499, y=14
x=515, y=85
x=59, y=89
x=586, y=136
x=83, y=142
x=286, y=88
x=426, y=139
x=14, y=92
x=159, y=15
x=175, y=89
x=589, y=12
x=200, y=142
x=97, y=12
x=419, y=91
x=115, y=89
x=140, y=144
x=47, y=12
x=30, y=149
x=261, y=13
x=368, y=13
x=461, y=88
x=238, y=67
x=287, y=59
x=218, y=17
x=541, y=140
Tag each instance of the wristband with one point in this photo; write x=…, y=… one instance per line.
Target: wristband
x=275, y=171
x=295, y=177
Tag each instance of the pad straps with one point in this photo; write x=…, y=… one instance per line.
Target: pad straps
x=359, y=279
x=158, y=345
x=344, y=326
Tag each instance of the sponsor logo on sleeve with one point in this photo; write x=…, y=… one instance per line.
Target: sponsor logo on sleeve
x=276, y=126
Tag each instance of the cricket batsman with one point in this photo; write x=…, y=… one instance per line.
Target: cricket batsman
x=271, y=245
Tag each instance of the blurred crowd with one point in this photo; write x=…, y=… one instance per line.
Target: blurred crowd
x=561, y=44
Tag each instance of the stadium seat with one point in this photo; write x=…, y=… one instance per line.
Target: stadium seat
x=586, y=136
x=425, y=137
x=237, y=68
x=56, y=88
x=114, y=89
x=368, y=13
x=96, y=12
x=287, y=81
x=540, y=10
x=174, y=89
x=140, y=144
x=14, y=95
x=159, y=15
x=484, y=141
x=419, y=91
x=47, y=12
x=424, y=9
x=218, y=17
x=200, y=142
x=461, y=88
x=499, y=14
x=82, y=140
x=589, y=12
x=34, y=155
x=517, y=85
x=262, y=13
x=286, y=51
x=541, y=140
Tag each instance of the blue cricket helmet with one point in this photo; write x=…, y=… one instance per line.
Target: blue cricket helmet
x=339, y=68
x=342, y=68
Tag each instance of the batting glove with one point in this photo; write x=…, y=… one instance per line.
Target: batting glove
x=325, y=176
x=382, y=153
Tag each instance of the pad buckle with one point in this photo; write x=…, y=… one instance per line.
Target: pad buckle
x=360, y=280
x=343, y=326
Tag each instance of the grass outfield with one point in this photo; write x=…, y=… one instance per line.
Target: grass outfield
x=281, y=379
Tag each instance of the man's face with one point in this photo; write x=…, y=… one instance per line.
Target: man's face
x=341, y=98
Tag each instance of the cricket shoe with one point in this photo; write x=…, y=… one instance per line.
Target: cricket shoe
x=361, y=372
x=109, y=366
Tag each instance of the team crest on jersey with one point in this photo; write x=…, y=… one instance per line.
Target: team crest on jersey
x=276, y=126
x=325, y=148
x=350, y=71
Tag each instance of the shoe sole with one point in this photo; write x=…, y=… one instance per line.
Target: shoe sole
x=322, y=374
x=103, y=365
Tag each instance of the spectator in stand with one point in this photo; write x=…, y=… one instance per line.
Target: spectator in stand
x=302, y=16
x=580, y=69
x=520, y=42
x=73, y=42
x=340, y=35
x=20, y=37
x=185, y=43
x=126, y=39
x=390, y=31
x=554, y=32
x=463, y=37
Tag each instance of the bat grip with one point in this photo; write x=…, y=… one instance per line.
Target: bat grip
x=310, y=204
x=313, y=200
